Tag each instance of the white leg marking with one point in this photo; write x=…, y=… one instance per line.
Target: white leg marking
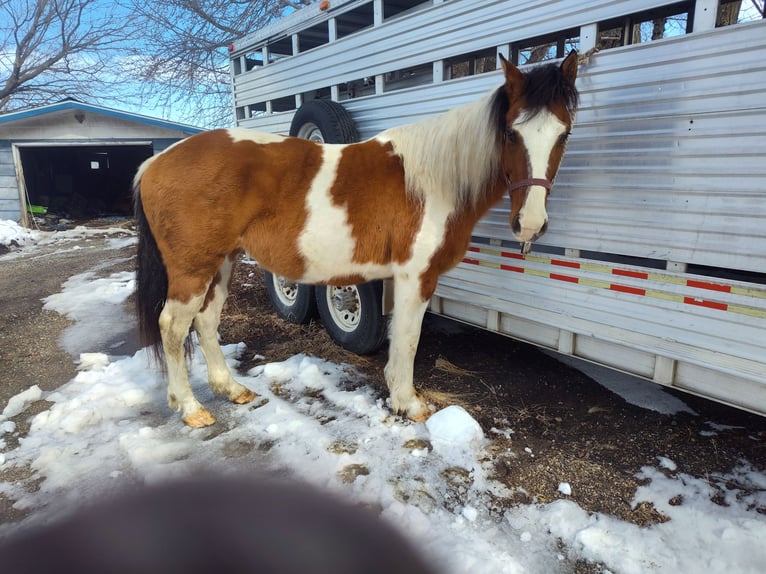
x=206, y=324
x=175, y=320
x=540, y=133
x=409, y=308
x=405, y=329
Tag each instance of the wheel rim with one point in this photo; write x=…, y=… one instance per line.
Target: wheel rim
x=286, y=290
x=311, y=131
x=345, y=306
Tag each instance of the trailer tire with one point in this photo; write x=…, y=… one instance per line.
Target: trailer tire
x=352, y=315
x=324, y=121
x=293, y=302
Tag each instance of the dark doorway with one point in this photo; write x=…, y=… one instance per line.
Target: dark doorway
x=82, y=181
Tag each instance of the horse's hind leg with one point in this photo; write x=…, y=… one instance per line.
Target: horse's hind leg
x=175, y=320
x=406, y=323
x=206, y=324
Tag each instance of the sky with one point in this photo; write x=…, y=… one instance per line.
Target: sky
x=318, y=421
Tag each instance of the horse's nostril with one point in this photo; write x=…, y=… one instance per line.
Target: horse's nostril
x=516, y=225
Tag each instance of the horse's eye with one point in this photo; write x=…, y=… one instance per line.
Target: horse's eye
x=564, y=138
x=511, y=135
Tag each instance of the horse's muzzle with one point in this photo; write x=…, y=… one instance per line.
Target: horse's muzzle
x=526, y=234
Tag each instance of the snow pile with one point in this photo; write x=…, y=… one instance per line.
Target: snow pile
x=96, y=306
x=13, y=235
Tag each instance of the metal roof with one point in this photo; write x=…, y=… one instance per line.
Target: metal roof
x=70, y=104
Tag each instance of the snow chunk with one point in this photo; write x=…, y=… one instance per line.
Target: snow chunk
x=453, y=426
x=666, y=463
x=565, y=488
x=92, y=362
x=19, y=403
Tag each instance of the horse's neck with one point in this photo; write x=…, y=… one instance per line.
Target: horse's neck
x=492, y=196
x=464, y=220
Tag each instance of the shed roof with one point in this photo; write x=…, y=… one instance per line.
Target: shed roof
x=71, y=104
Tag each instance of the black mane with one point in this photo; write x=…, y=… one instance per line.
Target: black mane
x=544, y=86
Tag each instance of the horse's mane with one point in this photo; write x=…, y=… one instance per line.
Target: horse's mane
x=545, y=86
x=457, y=154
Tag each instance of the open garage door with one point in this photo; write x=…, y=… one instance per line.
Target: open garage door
x=82, y=181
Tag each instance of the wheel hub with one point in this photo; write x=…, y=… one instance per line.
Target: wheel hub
x=344, y=300
x=287, y=289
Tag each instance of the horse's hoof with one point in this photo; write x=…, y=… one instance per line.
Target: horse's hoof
x=417, y=410
x=202, y=418
x=244, y=397
x=420, y=417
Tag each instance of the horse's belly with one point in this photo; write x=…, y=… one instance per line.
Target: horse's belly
x=329, y=258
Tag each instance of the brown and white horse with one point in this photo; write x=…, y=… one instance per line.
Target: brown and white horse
x=401, y=205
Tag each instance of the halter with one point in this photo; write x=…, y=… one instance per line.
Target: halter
x=546, y=183
x=526, y=246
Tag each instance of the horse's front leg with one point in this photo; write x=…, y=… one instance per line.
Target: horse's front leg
x=404, y=333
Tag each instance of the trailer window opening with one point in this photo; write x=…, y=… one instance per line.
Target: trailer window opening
x=280, y=49
x=739, y=11
x=471, y=64
x=544, y=48
x=409, y=77
x=284, y=104
x=356, y=88
x=318, y=94
x=355, y=20
x=666, y=22
x=253, y=60
x=314, y=36
x=393, y=8
x=251, y=111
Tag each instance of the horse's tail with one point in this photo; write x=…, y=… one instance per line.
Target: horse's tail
x=151, y=280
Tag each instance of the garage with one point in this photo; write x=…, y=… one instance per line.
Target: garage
x=79, y=182
x=73, y=160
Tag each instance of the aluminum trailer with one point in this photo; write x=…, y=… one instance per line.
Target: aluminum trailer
x=654, y=262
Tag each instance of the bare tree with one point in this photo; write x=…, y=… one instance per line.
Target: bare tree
x=182, y=60
x=51, y=49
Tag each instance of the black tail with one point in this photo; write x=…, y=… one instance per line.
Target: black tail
x=151, y=283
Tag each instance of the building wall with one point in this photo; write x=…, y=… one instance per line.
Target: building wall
x=10, y=206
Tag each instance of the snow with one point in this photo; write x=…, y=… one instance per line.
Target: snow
x=110, y=427
x=632, y=389
x=19, y=403
x=12, y=234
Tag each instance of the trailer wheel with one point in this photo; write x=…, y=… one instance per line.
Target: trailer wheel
x=294, y=302
x=352, y=315
x=324, y=121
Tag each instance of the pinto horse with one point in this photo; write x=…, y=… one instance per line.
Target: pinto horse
x=401, y=205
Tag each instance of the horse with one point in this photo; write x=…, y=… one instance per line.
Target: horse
x=401, y=205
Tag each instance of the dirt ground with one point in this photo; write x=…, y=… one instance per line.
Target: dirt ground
x=565, y=426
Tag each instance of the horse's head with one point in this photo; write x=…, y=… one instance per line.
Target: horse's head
x=541, y=108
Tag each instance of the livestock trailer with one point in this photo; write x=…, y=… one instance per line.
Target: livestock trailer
x=654, y=262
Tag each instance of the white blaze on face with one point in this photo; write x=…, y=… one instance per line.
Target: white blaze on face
x=539, y=133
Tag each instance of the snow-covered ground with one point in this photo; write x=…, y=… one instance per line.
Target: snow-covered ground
x=110, y=426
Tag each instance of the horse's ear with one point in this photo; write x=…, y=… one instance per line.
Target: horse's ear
x=514, y=79
x=569, y=66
